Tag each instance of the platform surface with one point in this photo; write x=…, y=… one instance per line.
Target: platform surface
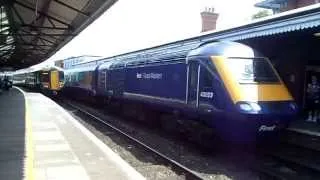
x=12, y=135
x=304, y=127
x=40, y=140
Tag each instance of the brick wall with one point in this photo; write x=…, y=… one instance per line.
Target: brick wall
x=302, y=3
x=294, y=4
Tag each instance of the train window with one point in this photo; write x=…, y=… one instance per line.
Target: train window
x=44, y=77
x=252, y=70
x=61, y=76
x=73, y=77
x=207, y=78
x=81, y=76
x=193, y=68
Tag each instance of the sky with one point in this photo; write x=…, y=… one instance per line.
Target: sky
x=131, y=25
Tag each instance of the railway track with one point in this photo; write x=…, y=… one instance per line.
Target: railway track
x=291, y=161
x=278, y=163
x=179, y=168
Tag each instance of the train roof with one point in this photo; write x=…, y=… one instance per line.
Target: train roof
x=30, y=70
x=105, y=65
x=214, y=48
x=51, y=68
x=225, y=48
x=82, y=69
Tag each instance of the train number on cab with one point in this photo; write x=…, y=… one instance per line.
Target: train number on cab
x=206, y=94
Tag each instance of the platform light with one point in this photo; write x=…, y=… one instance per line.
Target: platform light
x=317, y=34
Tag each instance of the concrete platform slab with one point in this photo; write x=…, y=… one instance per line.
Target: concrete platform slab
x=46, y=142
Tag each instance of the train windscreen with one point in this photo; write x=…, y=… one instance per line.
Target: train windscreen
x=61, y=76
x=44, y=77
x=257, y=70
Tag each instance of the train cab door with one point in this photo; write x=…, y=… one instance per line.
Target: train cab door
x=103, y=81
x=193, y=71
x=54, y=80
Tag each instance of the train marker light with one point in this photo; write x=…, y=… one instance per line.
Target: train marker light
x=317, y=34
x=255, y=106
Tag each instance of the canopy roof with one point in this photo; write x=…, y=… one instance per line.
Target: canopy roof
x=33, y=30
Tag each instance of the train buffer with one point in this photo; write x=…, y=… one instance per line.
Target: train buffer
x=40, y=140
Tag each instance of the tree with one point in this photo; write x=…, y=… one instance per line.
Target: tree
x=261, y=14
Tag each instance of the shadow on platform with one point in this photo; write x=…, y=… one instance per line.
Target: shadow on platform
x=12, y=134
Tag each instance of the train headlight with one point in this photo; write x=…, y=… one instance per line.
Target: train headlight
x=249, y=106
x=245, y=107
x=255, y=106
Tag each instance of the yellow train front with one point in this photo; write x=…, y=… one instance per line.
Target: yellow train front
x=51, y=80
x=247, y=99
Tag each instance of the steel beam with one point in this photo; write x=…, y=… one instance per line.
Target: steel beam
x=18, y=15
x=72, y=8
x=40, y=37
x=30, y=44
x=44, y=27
x=51, y=22
x=43, y=14
x=43, y=34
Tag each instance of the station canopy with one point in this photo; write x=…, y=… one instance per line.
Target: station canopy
x=33, y=30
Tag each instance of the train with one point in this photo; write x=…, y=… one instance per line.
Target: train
x=225, y=86
x=5, y=81
x=48, y=80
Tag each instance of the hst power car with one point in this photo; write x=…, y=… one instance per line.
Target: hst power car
x=226, y=86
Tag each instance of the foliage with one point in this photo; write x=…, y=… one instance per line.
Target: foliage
x=261, y=14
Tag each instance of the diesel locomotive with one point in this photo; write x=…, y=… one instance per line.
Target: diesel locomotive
x=227, y=86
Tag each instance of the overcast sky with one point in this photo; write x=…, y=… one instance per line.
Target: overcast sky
x=134, y=24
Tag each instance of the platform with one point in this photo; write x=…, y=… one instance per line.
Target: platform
x=304, y=127
x=40, y=140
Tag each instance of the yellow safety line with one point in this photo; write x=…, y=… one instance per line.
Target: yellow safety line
x=29, y=144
